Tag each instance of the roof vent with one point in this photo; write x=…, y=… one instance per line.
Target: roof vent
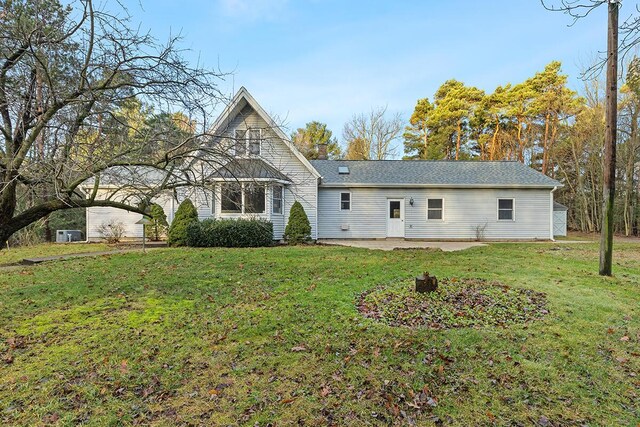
x=343, y=170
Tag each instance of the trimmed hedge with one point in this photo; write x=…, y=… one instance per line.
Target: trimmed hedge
x=230, y=233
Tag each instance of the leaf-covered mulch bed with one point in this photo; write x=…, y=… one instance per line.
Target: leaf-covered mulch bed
x=457, y=303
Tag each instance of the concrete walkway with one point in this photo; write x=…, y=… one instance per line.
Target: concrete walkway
x=391, y=244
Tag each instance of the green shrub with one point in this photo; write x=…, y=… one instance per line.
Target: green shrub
x=185, y=215
x=158, y=227
x=298, y=229
x=230, y=233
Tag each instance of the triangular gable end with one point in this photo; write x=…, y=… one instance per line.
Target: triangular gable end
x=234, y=108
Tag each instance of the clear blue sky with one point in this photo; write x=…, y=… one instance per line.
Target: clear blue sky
x=325, y=60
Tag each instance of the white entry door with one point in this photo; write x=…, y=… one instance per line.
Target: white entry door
x=395, y=218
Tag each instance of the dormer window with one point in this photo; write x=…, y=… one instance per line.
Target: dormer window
x=248, y=141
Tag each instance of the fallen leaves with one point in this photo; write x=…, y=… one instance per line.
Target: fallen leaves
x=457, y=303
x=298, y=348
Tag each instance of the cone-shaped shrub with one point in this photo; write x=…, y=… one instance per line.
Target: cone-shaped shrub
x=158, y=227
x=298, y=229
x=185, y=215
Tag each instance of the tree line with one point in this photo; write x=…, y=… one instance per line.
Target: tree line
x=540, y=122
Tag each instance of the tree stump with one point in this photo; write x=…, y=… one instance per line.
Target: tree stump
x=426, y=283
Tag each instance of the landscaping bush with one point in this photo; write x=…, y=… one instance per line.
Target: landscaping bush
x=185, y=215
x=298, y=228
x=158, y=227
x=230, y=233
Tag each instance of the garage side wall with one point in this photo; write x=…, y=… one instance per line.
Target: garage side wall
x=464, y=211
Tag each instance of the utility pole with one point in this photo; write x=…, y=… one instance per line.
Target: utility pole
x=611, y=115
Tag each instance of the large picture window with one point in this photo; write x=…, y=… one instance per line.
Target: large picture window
x=231, y=198
x=254, y=198
x=435, y=209
x=242, y=198
x=506, y=209
x=277, y=199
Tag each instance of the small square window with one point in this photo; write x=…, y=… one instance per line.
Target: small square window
x=506, y=209
x=345, y=201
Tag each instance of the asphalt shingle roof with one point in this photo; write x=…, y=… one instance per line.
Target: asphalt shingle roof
x=431, y=173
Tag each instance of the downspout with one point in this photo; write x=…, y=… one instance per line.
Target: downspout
x=551, y=214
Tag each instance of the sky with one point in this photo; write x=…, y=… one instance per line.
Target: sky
x=327, y=60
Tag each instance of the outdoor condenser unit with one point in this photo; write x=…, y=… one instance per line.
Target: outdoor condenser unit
x=64, y=236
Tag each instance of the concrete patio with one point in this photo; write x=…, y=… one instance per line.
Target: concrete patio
x=391, y=244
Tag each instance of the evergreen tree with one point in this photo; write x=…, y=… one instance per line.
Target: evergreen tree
x=185, y=215
x=158, y=227
x=314, y=133
x=298, y=228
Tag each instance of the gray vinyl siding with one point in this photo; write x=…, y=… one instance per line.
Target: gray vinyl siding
x=464, y=209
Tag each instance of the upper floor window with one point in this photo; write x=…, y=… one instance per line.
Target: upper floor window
x=506, y=210
x=248, y=141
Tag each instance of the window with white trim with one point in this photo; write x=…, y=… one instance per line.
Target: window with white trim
x=435, y=209
x=231, y=197
x=241, y=142
x=248, y=141
x=506, y=209
x=255, y=136
x=345, y=201
x=254, y=198
x=242, y=198
x=277, y=199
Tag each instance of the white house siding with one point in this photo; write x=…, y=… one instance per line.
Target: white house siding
x=464, y=209
x=277, y=154
x=96, y=216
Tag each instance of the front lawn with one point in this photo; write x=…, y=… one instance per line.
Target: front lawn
x=17, y=254
x=259, y=336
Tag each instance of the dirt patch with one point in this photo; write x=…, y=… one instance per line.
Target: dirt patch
x=457, y=303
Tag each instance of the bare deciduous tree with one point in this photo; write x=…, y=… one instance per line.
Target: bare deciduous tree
x=371, y=136
x=67, y=74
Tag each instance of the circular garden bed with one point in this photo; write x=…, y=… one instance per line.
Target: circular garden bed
x=457, y=303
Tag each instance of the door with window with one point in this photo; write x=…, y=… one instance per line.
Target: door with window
x=395, y=218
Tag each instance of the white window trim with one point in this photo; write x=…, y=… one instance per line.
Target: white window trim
x=427, y=209
x=513, y=209
x=247, y=141
x=281, y=200
x=243, y=202
x=340, y=201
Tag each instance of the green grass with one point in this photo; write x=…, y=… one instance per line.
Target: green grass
x=258, y=336
x=49, y=249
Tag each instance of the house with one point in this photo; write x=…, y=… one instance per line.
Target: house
x=265, y=174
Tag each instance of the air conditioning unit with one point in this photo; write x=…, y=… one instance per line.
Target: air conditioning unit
x=65, y=236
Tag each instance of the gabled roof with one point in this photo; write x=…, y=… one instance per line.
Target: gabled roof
x=249, y=169
x=431, y=173
x=243, y=98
